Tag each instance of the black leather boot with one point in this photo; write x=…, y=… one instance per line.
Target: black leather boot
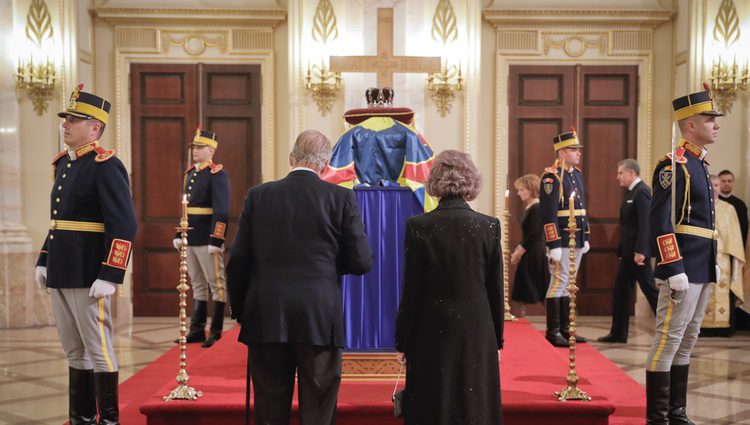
x=81, y=397
x=553, y=323
x=657, y=398
x=678, y=379
x=197, y=332
x=565, y=320
x=106, y=397
x=217, y=324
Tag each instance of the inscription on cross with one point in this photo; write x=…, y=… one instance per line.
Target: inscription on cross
x=385, y=64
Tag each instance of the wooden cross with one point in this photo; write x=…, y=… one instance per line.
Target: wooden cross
x=385, y=64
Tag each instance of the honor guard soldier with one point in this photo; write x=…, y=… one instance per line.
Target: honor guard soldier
x=85, y=255
x=685, y=243
x=558, y=183
x=207, y=188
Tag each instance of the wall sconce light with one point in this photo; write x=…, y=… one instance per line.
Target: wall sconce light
x=727, y=79
x=36, y=72
x=325, y=88
x=444, y=84
x=443, y=87
x=320, y=81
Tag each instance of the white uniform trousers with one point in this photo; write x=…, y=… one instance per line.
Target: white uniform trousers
x=677, y=326
x=559, y=273
x=206, y=270
x=84, y=325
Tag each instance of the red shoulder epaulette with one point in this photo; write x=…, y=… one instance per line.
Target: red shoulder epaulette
x=552, y=170
x=679, y=159
x=57, y=157
x=215, y=168
x=103, y=154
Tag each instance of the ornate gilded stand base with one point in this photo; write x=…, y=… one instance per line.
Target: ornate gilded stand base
x=183, y=392
x=509, y=317
x=572, y=393
x=370, y=366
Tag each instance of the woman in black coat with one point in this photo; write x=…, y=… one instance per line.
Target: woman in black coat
x=532, y=273
x=450, y=321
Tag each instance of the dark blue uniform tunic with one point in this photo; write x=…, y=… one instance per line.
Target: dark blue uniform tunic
x=690, y=246
x=92, y=220
x=207, y=189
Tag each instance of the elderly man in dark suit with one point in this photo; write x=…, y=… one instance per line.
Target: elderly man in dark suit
x=634, y=250
x=295, y=239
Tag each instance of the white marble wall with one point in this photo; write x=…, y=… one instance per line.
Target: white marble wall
x=21, y=303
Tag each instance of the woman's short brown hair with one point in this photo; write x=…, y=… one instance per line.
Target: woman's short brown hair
x=454, y=174
x=529, y=182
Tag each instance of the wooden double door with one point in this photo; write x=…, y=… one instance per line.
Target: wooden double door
x=168, y=101
x=601, y=103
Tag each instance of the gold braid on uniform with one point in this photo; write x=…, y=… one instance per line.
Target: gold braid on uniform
x=562, y=177
x=686, y=196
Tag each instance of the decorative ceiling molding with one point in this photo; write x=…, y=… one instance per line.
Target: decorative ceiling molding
x=194, y=17
x=580, y=17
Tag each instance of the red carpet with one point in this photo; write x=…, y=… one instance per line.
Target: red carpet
x=531, y=370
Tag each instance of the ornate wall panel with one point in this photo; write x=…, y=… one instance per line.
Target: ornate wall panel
x=193, y=35
x=596, y=37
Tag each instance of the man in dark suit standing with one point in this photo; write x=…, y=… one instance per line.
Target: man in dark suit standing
x=634, y=250
x=296, y=237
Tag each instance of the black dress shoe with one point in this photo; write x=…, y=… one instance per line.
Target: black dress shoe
x=612, y=338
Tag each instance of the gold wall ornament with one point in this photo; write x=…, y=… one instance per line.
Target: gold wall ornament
x=443, y=86
x=38, y=23
x=324, y=23
x=195, y=44
x=727, y=79
x=572, y=392
x=575, y=45
x=727, y=24
x=324, y=86
x=444, y=28
x=36, y=73
x=183, y=391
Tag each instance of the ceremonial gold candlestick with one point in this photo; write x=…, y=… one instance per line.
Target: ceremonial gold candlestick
x=572, y=392
x=506, y=259
x=183, y=391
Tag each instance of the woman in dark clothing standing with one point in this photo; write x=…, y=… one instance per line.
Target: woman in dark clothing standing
x=450, y=322
x=532, y=273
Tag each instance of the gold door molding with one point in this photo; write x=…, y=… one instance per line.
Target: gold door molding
x=556, y=37
x=218, y=36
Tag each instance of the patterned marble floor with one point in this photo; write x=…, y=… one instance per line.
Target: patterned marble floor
x=33, y=371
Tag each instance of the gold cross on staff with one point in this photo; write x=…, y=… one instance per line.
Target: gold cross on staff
x=385, y=64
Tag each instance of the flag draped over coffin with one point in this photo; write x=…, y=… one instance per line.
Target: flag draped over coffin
x=382, y=151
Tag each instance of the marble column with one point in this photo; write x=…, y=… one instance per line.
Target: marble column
x=21, y=303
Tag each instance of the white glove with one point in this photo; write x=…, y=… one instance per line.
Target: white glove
x=101, y=289
x=177, y=242
x=586, y=247
x=215, y=249
x=718, y=274
x=40, y=275
x=678, y=282
x=555, y=254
